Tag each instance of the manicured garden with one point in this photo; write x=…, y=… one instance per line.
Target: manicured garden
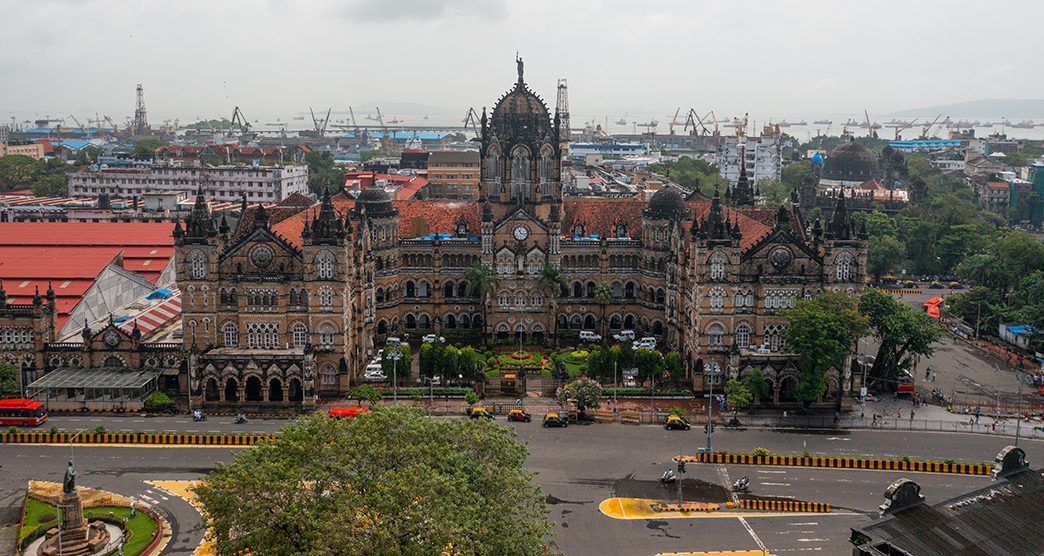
x=141, y=528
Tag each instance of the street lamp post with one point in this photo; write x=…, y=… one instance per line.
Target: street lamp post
x=616, y=387
x=395, y=355
x=710, y=422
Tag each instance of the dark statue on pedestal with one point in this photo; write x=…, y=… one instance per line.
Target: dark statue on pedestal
x=73, y=536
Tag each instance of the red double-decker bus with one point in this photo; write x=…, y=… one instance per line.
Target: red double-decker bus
x=22, y=412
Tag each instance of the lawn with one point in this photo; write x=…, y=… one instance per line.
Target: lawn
x=529, y=359
x=142, y=527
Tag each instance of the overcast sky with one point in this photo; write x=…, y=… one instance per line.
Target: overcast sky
x=277, y=57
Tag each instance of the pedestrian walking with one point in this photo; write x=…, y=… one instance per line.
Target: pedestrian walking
x=927, y=373
x=933, y=376
x=976, y=415
x=837, y=418
x=900, y=413
x=911, y=415
x=874, y=422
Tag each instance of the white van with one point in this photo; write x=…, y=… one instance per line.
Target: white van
x=590, y=336
x=624, y=336
x=647, y=342
x=392, y=341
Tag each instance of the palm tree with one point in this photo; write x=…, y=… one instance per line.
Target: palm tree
x=552, y=282
x=481, y=283
x=603, y=296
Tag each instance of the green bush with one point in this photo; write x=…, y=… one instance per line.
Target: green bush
x=471, y=397
x=761, y=451
x=12, y=430
x=441, y=392
x=159, y=402
x=675, y=410
x=53, y=430
x=99, y=429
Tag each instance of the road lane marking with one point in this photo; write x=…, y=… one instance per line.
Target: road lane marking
x=805, y=523
x=776, y=484
x=753, y=535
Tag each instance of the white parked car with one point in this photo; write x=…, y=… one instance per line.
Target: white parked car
x=431, y=339
x=590, y=336
x=624, y=336
x=393, y=341
x=647, y=342
x=374, y=371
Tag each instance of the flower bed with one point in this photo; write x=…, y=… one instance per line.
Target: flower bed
x=521, y=359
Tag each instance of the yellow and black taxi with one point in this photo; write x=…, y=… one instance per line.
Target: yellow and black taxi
x=676, y=422
x=555, y=420
x=479, y=413
x=519, y=415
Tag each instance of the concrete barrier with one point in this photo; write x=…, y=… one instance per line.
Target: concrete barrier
x=631, y=417
x=982, y=469
x=784, y=506
x=604, y=416
x=132, y=438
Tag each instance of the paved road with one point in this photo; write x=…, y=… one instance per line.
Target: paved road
x=582, y=465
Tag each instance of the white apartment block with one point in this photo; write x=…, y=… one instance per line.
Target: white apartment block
x=268, y=184
x=762, y=157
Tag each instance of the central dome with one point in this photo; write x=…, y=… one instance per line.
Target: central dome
x=666, y=203
x=520, y=111
x=376, y=200
x=851, y=162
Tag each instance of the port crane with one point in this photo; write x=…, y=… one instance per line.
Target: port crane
x=900, y=127
x=926, y=131
x=872, y=127
x=320, y=125
x=472, y=119
x=673, y=122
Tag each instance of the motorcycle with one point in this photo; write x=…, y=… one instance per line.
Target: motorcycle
x=741, y=485
x=240, y=419
x=197, y=415
x=668, y=477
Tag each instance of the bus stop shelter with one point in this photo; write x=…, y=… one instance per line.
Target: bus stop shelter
x=100, y=388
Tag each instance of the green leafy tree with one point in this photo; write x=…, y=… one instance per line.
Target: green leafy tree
x=756, y=384
x=672, y=363
x=159, y=402
x=774, y=192
x=583, y=391
x=19, y=171
x=737, y=396
x=551, y=282
x=146, y=148
x=391, y=482
x=365, y=393
x=821, y=330
x=323, y=173
x=482, y=282
x=884, y=254
x=603, y=296
x=8, y=379
x=649, y=363
x=901, y=331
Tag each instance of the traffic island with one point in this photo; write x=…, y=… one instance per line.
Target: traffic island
x=136, y=438
x=641, y=508
x=877, y=464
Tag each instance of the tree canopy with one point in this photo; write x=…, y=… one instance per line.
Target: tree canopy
x=821, y=330
x=388, y=482
x=901, y=330
x=584, y=391
x=8, y=377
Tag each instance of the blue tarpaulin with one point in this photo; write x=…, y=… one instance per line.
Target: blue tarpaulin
x=162, y=293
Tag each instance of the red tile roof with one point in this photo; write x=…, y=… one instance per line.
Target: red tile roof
x=998, y=185
x=600, y=215
x=754, y=223
x=420, y=218
x=71, y=255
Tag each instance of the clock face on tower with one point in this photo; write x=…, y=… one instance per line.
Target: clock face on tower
x=521, y=233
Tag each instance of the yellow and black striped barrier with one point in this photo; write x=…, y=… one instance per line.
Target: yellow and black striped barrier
x=785, y=506
x=903, y=291
x=98, y=410
x=983, y=469
x=132, y=438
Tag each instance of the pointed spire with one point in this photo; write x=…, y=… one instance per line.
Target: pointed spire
x=50, y=293
x=136, y=332
x=37, y=300
x=782, y=219
x=242, y=205
x=743, y=194
x=178, y=232
x=200, y=223
x=3, y=294
x=716, y=227
x=223, y=228
x=840, y=226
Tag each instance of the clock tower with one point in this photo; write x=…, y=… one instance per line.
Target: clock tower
x=520, y=192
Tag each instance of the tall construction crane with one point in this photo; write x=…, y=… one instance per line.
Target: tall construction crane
x=926, y=131
x=872, y=127
x=239, y=121
x=562, y=108
x=78, y=124
x=380, y=118
x=320, y=125
x=673, y=122
x=901, y=127
x=693, y=120
x=472, y=119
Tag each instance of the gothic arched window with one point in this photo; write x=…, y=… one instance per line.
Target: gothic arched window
x=519, y=165
x=717, y=266
x=845, y=267
x=493, y=164
x=299, y=334
x=197, y=265
x=231, y=333
x=717, y=298
x=743, y=336
x=324, y=265
x=715, y=335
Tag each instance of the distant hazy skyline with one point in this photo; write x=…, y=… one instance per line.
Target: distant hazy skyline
x=275, y=58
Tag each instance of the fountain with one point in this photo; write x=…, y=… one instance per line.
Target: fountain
x=73, y=536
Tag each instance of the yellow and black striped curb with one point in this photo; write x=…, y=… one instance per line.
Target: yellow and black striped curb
x=903, y=291
x=99, y=410
x=135, y=438
x=984, y=469
x=785, y=506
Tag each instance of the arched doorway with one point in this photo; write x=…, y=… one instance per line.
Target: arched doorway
x=275, y=390
x=502, y=331
x=787, y=388
x=231, y=390
x=253, y=389
x=537, y=337
x=211, y=392
x=296, y=394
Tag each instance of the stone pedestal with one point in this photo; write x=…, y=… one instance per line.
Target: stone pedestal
x=73, y=536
